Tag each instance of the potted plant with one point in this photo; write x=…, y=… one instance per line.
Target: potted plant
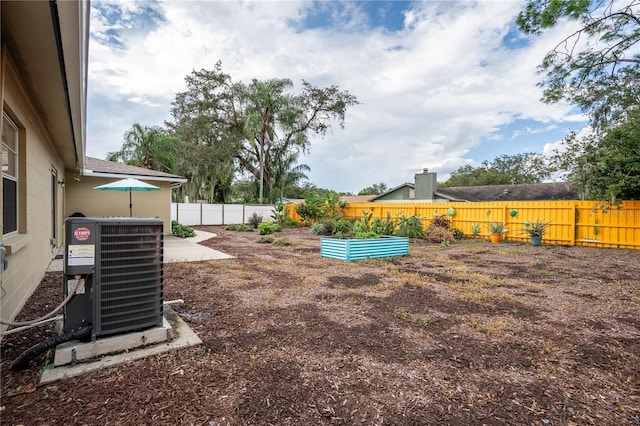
x=496, y=231
x=536, y=231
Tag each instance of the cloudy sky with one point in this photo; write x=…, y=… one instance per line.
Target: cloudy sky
x=441, y=83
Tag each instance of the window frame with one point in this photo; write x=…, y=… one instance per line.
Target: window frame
x=15, y=177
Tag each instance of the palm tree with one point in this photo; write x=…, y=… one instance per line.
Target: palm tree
x=268, y=110
x=287, y=172
x=148, y=147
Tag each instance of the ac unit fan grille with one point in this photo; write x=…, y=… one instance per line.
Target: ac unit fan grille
x=131, y=277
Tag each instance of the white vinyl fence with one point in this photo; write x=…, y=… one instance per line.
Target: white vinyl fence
x=218, y=214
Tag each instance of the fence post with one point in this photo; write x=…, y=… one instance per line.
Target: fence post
x=574, y=228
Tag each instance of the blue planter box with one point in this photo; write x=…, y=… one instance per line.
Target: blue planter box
x=366, y=248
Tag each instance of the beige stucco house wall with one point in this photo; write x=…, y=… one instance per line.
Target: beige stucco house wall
x=82, y=196
x=43, y=97
x=43, y=91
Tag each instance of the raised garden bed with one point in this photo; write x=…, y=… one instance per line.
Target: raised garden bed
x=365, y=248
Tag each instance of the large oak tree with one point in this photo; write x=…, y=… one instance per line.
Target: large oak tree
x=255, y=125
x=597, y=67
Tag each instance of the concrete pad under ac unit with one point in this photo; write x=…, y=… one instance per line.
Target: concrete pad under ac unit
x=114, y=350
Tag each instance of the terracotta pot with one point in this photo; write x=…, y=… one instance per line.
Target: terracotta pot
x=495, y=238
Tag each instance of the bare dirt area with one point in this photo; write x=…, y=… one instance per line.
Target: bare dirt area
x=474, y=333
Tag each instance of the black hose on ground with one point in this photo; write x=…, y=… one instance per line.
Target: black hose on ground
x=23, y=360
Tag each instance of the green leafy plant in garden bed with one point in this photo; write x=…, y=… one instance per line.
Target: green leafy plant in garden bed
x=456, y=233
x=410, y=226
x=322, y=228
x=316, y=207
x=182, y=231
x=384, y=226
x=266, y=228
x=280, y=214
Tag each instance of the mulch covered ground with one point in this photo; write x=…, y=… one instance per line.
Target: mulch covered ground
x=474, y=333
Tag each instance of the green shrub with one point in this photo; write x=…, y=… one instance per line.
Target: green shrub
x=182, y=231
x=325, y=204
x=317, y=229
x=292, y=223
x=457, y=234
x=367, y=234
x=267, y=239
x=384, y=227
x=344, y=235
x=341, y=226
x=254, y=220
x=410, y=227
x=360, y=227
x=327, y=227
x=266, y=228
x=307, y=213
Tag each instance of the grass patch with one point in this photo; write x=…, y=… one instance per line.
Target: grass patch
x=401, y=313
x=496, y=326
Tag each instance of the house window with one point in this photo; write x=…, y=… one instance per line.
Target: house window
x=9, y=176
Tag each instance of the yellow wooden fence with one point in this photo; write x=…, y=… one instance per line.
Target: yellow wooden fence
x=579, y=223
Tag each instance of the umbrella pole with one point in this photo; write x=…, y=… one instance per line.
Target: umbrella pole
x=130, y=205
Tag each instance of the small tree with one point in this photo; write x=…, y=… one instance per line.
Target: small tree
x=375, y=189
x=605, y=168
x=320, y=205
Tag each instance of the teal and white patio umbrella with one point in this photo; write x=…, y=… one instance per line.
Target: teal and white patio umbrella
x=129, y=185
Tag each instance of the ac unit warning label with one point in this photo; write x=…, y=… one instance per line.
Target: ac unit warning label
x=81, y=255
x=81, y=234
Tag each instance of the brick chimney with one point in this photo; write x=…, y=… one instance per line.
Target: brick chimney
x=426, y=183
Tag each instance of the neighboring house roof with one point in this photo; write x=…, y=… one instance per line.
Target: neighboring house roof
x=352, y=199
x=409, y=185
x=104, y=168
x=523, y=192
x=286, y=200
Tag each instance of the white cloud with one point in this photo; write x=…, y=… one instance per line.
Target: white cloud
x=551, y=148
x=428, y=93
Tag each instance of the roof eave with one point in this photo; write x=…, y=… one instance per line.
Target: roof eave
x=91, y=173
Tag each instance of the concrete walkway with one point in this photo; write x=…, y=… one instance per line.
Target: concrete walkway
x=175, y=250
x=188, y=250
